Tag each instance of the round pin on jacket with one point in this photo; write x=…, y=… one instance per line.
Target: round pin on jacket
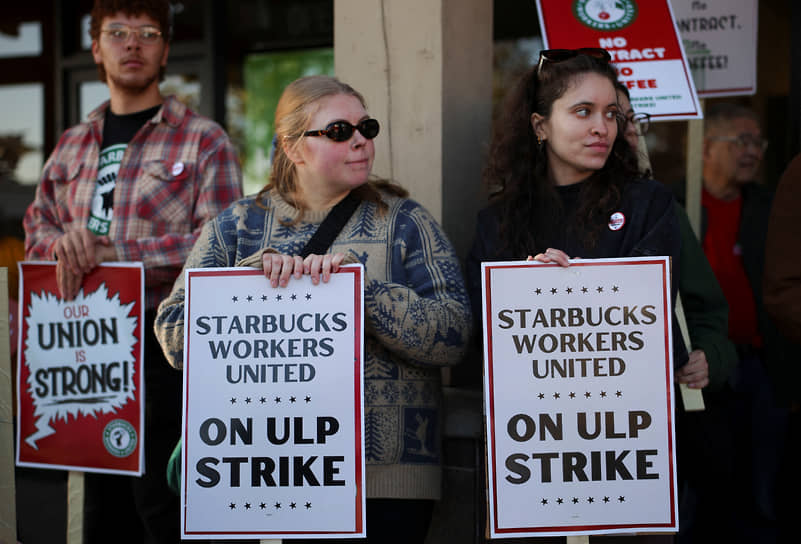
x=616, y=221
x=177, y=168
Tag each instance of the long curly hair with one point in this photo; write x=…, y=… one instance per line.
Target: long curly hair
x=293, y=114
x=516, y=173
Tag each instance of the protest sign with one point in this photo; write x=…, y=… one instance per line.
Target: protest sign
x=720, y=39
x=80, y=377
x=273, y=402
x=642, y=39
x=578, y=390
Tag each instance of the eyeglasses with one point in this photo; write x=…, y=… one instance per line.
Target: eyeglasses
x=341, y=131
x=145, y=34
x=745, y=140
x=561, y=55
x=640, y=121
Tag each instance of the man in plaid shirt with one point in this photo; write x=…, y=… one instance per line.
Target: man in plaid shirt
x=136, y=182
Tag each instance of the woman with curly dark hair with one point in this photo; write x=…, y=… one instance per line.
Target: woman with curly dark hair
x=563, y=182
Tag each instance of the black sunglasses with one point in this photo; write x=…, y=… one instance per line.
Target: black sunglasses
x=561, y=55
x=341, y=131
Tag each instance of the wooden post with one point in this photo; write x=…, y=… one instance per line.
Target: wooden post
x=695, y=164
x=578, y=539
x=75, y=507
x=8, y=501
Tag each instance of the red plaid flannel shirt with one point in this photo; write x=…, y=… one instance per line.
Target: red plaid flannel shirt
x=179, y=171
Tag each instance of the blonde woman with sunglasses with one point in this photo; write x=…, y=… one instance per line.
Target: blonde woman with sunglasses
x=417, y=310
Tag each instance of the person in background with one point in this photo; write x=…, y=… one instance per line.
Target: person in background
x=416, y=307
x=705, y=462
x=135, y=182
x=734, y=226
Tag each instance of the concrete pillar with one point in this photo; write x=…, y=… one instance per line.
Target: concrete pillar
x=425, y=69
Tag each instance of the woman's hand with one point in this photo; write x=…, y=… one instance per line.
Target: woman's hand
x=696, y=372
x=551, y=255
x=279, y=268
x=317, y=265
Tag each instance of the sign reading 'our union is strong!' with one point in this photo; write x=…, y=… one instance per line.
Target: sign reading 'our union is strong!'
x=80, y=382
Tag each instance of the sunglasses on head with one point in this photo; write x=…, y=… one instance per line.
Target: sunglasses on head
x=561, y=55
x=341, y=131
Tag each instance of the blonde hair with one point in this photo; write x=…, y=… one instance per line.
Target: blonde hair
x=297, y=105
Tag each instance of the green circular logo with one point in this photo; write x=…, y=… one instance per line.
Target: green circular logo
x=605, y=14
x=119, y=438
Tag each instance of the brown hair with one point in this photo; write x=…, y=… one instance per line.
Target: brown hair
x=529, y=207
x=295, y=109
x=158, y=10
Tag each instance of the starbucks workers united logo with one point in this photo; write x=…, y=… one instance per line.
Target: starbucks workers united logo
x=605, y=14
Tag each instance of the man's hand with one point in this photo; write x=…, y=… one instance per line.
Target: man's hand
x=696, y=372
x=78, y=252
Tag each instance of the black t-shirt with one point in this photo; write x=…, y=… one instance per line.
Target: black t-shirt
x=118, y=130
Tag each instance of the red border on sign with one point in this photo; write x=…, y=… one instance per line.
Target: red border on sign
x=667, y=314
x=357, y=349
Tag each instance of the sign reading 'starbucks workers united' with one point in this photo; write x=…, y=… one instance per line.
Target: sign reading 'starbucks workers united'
x=578, y=389
x=642, y=40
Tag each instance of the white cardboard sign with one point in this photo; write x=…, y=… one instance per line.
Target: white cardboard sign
x=273, y=403
x=578, y=391
x=720, y=41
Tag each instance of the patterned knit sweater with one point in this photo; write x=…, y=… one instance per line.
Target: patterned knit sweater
x=417, y=320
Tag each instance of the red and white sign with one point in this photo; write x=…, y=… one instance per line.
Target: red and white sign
x=720, y=39
x=80, y=380
x=644, y=44
x=578, y=382
x=273, y=436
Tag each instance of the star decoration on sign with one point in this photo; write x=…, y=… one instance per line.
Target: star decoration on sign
x=560, y=500
x=587, y=395
x=262, y=506
x=234, y=299
x=307, y=399
x=544, y=501
x=572, y=395
x=247, y=400
x=233, y=400
x=618, y=394
x=606, y=499
x=538, y=291
x=541, y=396
x=278, y=297
x=584, y=289
x=247, y=506
x=249, y=298
x=292, y=399
x=292, y=505
x=569, y=290
x=615, y=288
x=621, y=499
x=590, y=500
x=278, y=506
x=277, y=399
x=575, y=500
x=294, y=296
x=556, y=395
x=308, y=506
x=232, y=506
x=308, y=296
x=553, y=290
x=262, y=400
x=600, y=289
x=264, y=298
x=603, y=394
